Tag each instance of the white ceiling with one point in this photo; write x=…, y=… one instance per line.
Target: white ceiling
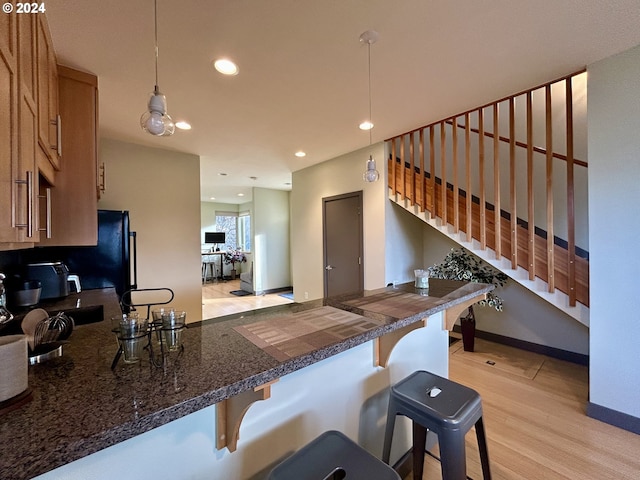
x=303, y=72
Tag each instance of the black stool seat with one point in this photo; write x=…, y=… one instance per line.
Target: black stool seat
x=332, y=456
x=446, y=408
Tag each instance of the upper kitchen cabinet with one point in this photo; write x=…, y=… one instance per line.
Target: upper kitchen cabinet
x=19, y=178
x=27, y=56
x=8, y=127
x=72, y=218
x=45, y=198
x=49, y=124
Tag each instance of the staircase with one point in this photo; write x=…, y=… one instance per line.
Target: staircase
x=503, y=181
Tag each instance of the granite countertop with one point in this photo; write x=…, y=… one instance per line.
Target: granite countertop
x=80, y=405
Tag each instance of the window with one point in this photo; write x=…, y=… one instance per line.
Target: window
x=244, y=232
x=237, y=228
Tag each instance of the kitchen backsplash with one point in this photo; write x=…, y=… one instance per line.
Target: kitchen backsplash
x=11, y=261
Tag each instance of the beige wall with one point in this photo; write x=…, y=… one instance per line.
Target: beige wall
x=334, y=177
x=614, y=195
x=270, y=222
x=161, y=191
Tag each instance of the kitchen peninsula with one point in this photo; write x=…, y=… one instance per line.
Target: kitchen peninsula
x=141, y=421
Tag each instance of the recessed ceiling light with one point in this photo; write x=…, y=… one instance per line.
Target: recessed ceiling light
x=241, y=194
x=300, y=154
x=212, y=198
x=366, y=125
x=183, y=125
x=226, y=66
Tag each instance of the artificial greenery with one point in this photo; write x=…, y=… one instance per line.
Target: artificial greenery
x=234, y=256
x=462, y=265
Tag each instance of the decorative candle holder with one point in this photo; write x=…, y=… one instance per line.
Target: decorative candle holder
x=422, y=278
x=173, y=323
x=132, y=333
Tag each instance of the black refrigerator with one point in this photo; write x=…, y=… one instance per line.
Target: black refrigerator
x=112, y=263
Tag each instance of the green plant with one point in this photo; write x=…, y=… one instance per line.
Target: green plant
x=462, y=265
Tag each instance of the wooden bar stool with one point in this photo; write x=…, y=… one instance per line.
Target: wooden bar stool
x=446, y=408
x=332, y=456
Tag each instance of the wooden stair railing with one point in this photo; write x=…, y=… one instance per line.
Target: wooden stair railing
x=433, y=185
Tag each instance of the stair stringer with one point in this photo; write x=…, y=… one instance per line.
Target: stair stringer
x=558, y=299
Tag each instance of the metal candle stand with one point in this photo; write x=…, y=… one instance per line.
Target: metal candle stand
x=153, y=326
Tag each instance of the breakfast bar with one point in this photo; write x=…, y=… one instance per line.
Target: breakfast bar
x=316, y=365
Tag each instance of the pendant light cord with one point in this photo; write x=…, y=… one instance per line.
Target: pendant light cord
x=370, y=174
x=155, y=16
x=370, y=120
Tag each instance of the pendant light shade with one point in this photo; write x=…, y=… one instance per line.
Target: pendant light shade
x=370, y=174
x=156, y=120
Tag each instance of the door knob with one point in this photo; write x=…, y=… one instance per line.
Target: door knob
x=328, y=267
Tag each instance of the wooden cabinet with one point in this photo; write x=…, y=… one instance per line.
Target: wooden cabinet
x=74, y=199
x=45, y=198
x=27, y=55
x=9, y=233
x=26, y=182
x=47, y=82
x=18, y=127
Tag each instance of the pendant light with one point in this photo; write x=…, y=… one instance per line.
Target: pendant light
x=371, y=174
x=156, y=120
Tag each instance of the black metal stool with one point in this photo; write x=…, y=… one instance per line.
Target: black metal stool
x=332, y=456
x=446, y=408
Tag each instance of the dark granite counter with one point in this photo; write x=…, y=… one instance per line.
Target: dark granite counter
x=80, y=405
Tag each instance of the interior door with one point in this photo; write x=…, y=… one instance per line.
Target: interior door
x=343, y=246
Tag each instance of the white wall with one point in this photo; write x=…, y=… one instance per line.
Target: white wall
x=404, y=244
x=614, y=226
x=271, y=234
x=334, y=177
x=161, y=190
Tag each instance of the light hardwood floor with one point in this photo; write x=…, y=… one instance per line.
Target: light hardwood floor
x=217, y=301
x=534, y=413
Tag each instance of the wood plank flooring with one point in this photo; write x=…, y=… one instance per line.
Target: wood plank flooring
x=217, y=301
x=537, y=427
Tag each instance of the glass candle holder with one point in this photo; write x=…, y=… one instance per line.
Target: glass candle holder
x=422, y=278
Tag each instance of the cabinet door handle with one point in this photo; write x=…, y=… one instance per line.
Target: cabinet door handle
x=47, y=227
x=102, y=185
x=29, y=225
x=59, y=135
x=58, y=146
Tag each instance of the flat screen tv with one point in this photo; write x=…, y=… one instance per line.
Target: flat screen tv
x=214, y=237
